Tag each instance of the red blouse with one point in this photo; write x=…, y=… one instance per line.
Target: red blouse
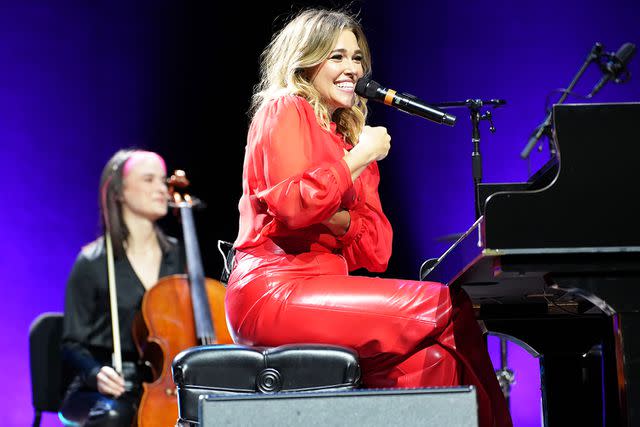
x=294, y=178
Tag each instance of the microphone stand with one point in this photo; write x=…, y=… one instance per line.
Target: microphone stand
x=545, y=127
x=506, y=376
x=474, y=106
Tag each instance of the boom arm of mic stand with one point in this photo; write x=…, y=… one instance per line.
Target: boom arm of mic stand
x=596, y=51
x=536, y=136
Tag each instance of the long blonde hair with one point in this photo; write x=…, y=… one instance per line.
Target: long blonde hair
x=306, y=41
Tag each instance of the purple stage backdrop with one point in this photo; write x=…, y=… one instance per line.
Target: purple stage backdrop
x=452, y=51
x=73, y=90
x=78, y=82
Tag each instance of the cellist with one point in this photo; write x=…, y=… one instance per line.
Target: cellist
x=133, y=253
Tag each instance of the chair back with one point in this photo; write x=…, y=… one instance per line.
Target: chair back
x=45, y=359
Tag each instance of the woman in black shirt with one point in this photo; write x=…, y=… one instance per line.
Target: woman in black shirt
x=134, y=196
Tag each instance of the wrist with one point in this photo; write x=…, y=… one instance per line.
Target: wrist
x=339, y=222
x=91, y=378
x=357, y=161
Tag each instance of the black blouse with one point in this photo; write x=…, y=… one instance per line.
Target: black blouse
x=87, y=341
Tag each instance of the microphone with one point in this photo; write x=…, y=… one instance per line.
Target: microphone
x=615, y=67
x=370, y=89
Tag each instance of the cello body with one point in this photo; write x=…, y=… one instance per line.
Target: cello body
x=164, y=328
x=177, y=313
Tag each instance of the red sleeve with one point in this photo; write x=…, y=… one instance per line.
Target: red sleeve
x=299, y=188
x=367, y=243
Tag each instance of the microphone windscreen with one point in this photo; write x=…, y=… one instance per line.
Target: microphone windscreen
x=367, y=88
x=625, y=52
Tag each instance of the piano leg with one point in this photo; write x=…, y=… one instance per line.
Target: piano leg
x=618, y=295
x=626, y=328
x=577, y=377
x=591, y=362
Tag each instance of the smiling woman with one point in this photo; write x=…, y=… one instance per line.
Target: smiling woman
x=133, y=196
x=310, y=213
x=335, y=79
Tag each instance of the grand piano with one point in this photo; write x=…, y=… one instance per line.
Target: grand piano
x=555, y=262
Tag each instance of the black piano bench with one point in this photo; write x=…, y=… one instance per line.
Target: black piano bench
x=236, y=369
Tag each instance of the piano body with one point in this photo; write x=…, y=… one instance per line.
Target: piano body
x=555, y=262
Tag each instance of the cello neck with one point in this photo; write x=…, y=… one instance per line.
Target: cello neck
x=201, y=310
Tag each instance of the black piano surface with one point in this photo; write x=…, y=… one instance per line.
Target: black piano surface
x=555, y=262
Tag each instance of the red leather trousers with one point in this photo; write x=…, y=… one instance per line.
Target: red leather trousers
x=406, y=333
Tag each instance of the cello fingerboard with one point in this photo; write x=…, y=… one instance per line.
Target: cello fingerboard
x=201, y=310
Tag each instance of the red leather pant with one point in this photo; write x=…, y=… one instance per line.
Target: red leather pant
x=406, y=333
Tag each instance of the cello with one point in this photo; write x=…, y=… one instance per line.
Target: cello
x=178, y=312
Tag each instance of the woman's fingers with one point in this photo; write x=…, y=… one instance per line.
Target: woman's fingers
x=110, y=382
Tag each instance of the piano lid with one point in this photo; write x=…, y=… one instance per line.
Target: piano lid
x=583, y=206
x=589, y=206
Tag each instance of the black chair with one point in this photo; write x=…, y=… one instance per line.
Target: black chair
x=45, y=360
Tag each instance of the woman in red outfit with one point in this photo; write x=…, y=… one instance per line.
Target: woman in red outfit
x=310, y=213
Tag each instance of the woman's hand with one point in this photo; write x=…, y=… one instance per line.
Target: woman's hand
x=110, y=382
x=376, y=141
x=339, y=222
x=374, y=144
